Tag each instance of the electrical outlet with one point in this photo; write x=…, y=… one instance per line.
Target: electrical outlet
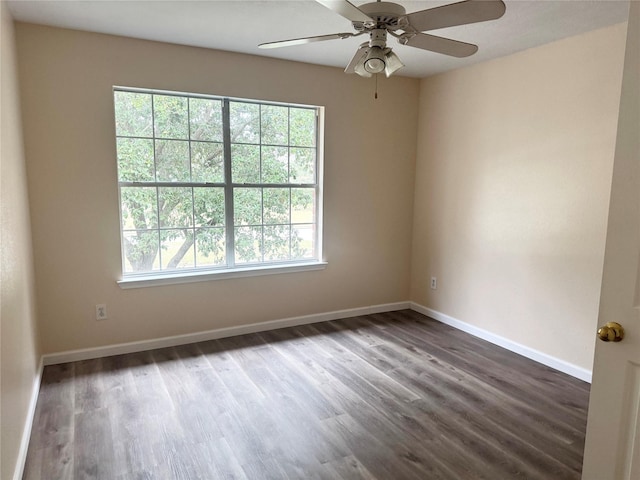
x=101, y=311
x=434, y=283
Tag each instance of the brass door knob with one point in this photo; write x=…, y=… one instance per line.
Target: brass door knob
x=611, y=332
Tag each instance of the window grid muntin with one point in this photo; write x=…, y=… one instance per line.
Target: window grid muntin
x=228, y=192
x=155, y=176
x=228, y=185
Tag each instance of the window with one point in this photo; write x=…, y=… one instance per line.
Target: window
x=211, y=184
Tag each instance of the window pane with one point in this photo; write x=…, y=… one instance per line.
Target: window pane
x=276, y=242
x=172, y=161
x=275, y=164
x=174, y=145
x=303, y=127
x=275, y=125
x=244, y=122
x=303, y=242
x=176, y=207
x=208, y=206
x=207, y=162
x=205, y=117
x=276, y=205
x=177, y=249
x=248, y=248
x=139, y=208
x=170, y=116
x=247, y=205
x=245, y=163
x=141, y=251
x=135, y=160
x=133, y=114
x=303, y=205
x=210, y=247
x=302, y=165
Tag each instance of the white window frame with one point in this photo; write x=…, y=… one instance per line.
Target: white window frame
x=230, y=270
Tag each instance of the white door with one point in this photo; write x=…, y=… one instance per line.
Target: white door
x=612, y=449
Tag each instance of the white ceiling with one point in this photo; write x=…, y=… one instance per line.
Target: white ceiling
x=240, y=25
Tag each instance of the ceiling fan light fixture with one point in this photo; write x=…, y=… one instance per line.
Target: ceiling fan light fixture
x=392, y=64
x=375, y=61
x=359, y=69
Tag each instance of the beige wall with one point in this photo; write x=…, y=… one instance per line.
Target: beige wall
x=512, y=189
x=66, y=80
x=511, y=193
x=19, y=355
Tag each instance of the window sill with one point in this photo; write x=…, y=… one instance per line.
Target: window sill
x=174, y=278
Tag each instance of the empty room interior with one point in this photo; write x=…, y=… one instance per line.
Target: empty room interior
x=361, y=275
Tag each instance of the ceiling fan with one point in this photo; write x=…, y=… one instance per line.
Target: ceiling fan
x=377, y=19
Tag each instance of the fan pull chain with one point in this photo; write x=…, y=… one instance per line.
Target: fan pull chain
x=376, y=92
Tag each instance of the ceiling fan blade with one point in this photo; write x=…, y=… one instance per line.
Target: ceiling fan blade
x=302, y=41
x=442, y=45
x=461, y=13
x=347, y=9
x=360, y=53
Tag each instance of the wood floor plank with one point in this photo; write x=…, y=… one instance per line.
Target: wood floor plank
x=450, y=387
x=350, y=467
x=361, y=409
x=298, y=412
x=93, y=456
x=385, y=396
x=548, y=404
x=52, y=434
x=507, y=415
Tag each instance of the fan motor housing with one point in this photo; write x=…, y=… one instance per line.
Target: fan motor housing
x=378, y=37
x=385, y=14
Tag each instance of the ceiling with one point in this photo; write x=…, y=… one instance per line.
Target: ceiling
x=239, y=26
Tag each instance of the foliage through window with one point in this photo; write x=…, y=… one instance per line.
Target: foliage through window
x=215, y=183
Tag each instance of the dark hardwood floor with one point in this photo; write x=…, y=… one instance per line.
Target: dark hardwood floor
x=387, y=396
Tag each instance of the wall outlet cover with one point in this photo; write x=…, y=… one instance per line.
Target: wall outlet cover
x=101, y=311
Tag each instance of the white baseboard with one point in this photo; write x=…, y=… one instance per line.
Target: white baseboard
x=132, y=347
x=26, y=432
x=540, y=357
